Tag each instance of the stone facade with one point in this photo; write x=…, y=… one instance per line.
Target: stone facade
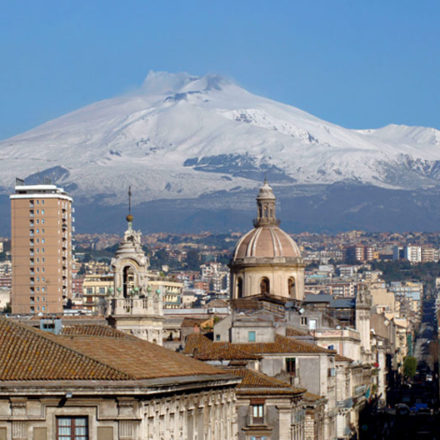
x=34, y=414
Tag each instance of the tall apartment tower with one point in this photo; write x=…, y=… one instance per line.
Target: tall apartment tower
x=41, y=233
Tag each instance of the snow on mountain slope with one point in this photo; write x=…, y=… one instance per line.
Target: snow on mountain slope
x=182, y=136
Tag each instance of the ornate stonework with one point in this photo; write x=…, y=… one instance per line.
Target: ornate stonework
x=134, y=307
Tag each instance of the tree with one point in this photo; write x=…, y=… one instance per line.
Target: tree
x=410, y=366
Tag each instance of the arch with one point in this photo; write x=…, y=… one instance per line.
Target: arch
x=264, y=286
x=291, y=287
x=240, y=287
x=128, y=280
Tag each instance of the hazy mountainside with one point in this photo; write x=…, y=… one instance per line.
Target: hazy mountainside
x=190, y=138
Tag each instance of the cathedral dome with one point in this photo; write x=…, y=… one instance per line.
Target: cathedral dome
x=266, y=242
x=266, y=260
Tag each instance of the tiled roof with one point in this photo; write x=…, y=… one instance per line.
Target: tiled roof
x=312, y=397
x=94, y=330
x=200, y=347
x=295, y=332
x=340, y=358
x=191, y=322
x=257, y=380
x=30, y=354
x=204, y=349
x=282, y=344
x=26, y=354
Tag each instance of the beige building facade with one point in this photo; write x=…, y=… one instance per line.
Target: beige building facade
x=41, y=233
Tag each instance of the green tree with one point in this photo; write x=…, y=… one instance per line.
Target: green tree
x=410, y=366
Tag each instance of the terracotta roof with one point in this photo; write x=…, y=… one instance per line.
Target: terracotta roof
x=295, y=332
x=191, y=322
x=257, y=380
x=30, y=354
x=200, y=347
x=94, y=330
x=282, y=344
x=340, y=358
x=312, y=397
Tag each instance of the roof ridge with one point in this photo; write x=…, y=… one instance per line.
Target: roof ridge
x=52, y=340
x=306, y=344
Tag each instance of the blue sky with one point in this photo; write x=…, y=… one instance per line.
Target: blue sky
x=360, y=64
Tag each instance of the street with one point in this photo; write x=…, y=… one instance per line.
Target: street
x=412, y=410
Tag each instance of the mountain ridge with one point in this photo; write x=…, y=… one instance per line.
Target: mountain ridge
x=184, y=137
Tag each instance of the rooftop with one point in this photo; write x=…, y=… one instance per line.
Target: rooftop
x=93, y=354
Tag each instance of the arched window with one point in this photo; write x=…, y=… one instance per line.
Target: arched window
x=291, y=286
x=239, y=288
x=128, y=280
x=264, y=286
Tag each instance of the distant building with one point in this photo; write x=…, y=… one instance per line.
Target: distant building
x=398, y=253
x=429, y=255
x=413, y=254
x=41, y=233
x=359, y=253
x=95, y=289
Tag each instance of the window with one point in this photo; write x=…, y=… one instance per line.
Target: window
x=42, y=212
x=291, y=366
x=257, y=412
x=251, y=336
x=240, y=288
x=72, y=428
x=264, y=286
x=304, y=320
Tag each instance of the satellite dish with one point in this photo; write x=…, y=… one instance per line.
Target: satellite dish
x=301, y=311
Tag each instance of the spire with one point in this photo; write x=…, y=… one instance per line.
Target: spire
x=266, y=204
x=129, y=217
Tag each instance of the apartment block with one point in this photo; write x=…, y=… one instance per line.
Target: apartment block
x=41, y=248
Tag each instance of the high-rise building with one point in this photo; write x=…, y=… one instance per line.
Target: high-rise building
x=413, y=254
x=41, y=248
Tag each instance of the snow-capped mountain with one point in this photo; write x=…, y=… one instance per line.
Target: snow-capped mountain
x=181, y=136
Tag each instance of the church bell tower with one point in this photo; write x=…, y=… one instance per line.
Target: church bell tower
x=134, y=308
